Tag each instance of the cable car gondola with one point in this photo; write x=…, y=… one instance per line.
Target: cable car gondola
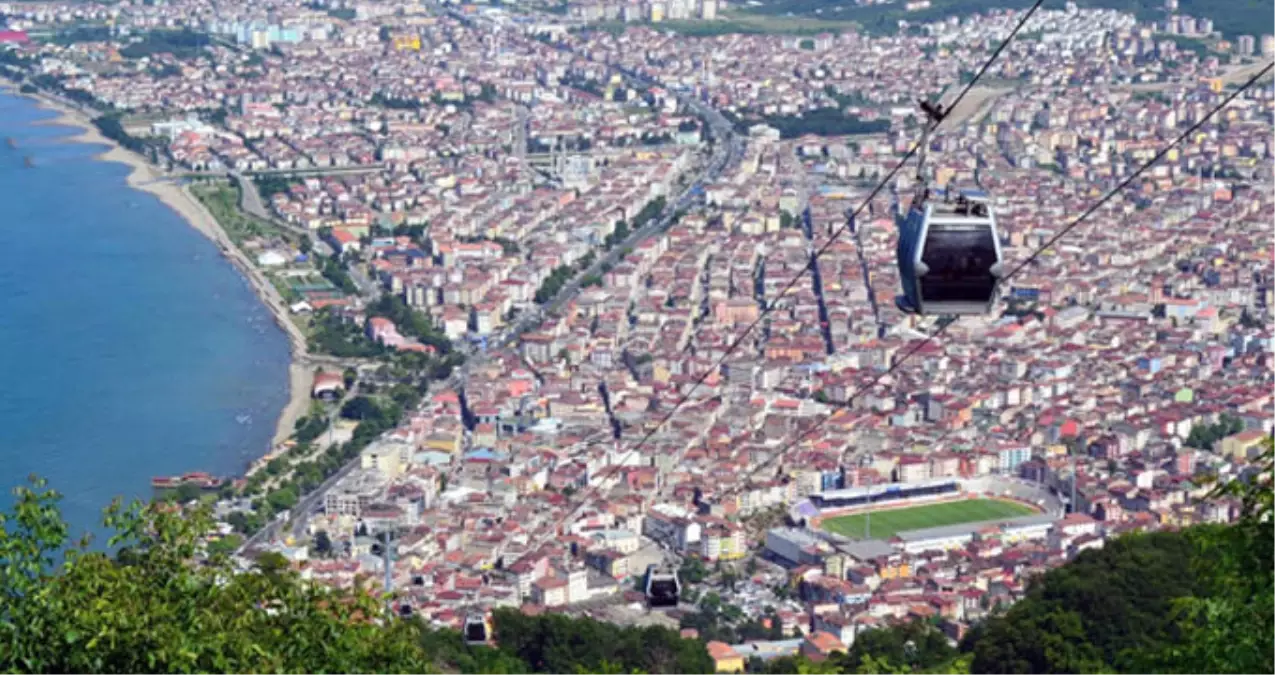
x=477, y=629
x=663, y=588
x=949, y=256
x=949, y=252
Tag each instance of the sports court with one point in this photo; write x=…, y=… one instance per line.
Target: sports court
x=886, y=523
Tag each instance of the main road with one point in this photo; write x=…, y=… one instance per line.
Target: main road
x=726, y=150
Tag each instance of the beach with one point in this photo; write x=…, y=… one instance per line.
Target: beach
x=145, y=177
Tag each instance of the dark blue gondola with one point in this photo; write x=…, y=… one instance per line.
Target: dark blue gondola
x=949, y=255
x=477, y=629
x=663, y=588
x=949, y=252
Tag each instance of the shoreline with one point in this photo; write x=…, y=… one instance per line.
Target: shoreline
x=143, y=176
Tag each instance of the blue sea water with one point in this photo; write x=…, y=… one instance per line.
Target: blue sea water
x=129, y=347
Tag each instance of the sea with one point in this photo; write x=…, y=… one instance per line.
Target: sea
x=129, y=348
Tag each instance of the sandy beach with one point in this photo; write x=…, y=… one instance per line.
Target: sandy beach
x=146, y=177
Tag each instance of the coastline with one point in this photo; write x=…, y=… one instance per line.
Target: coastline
x=145, y=177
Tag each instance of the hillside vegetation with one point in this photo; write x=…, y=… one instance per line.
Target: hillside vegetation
x=1197, y=600
x=1194, y=601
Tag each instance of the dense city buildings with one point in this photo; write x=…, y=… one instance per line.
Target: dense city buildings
x=658, y=368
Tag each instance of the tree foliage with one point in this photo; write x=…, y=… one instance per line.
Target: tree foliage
x=916, y=646
x=1205, y=435
x=1120, y=608
x=553, y=643
x=68, y=609
x=270, y=186
x=184, y=44
x=334, y=271
x=410, y=321
x=1229, y=628
x=331, y=334
x=1197, y=600
x=111, y=128
x=827, y=121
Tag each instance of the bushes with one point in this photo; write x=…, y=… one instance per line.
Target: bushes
x=183, y=44
x=1050, y=632
x=411, y=322
x=64, y=608
x=553, y=643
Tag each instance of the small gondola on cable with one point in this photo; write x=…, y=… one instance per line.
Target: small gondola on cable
x=663, y=588
x=949, y=252
x=477, y=629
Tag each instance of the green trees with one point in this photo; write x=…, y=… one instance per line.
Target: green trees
x=284, y=498
x=1191, y=601
x=67, y=609
x=270, y=186
x=653, y=209
x=311, y=427
x=410, y=321
x=557, y=279
x=554, y=643
x=620, y=233
x=361, y=408
x=710, y=621
x=322, y=544
x=330, y=334
x=1205, y=435
x=824, y=122
x=914, y=646
x=1228, y=627
x=1197, y=600
x=187, y=492
x=111, y=128
x=183, y=44
x=335, y=272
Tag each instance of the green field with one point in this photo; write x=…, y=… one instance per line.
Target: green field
x=887, y=523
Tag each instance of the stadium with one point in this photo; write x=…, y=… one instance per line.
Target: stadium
x=941, y=513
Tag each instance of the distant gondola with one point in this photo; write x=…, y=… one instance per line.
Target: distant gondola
x=477, y=629
x=663, y=588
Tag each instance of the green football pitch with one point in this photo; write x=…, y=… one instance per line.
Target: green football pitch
x=887, y=523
